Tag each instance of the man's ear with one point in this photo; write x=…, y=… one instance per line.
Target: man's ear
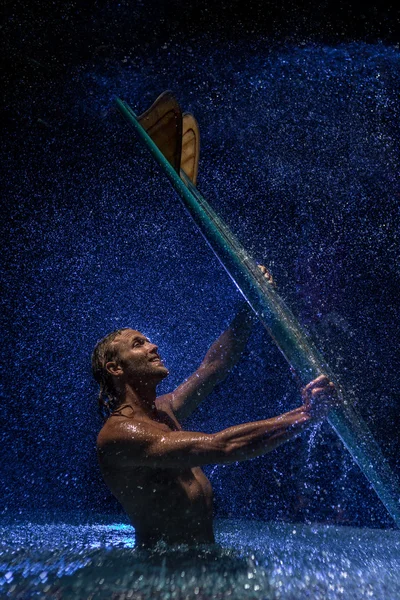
x=114, y=368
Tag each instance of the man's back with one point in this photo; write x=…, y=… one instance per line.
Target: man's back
x=170, y=504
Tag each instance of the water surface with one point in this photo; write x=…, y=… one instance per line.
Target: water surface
x=251, y=559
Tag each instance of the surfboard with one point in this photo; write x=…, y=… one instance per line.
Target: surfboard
x=172, y=138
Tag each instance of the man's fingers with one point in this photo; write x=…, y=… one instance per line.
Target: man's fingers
x=265, y=271
x=266, y=274
x=321, y=380
x=320, y=396
x=318, y=390
x=327, y=390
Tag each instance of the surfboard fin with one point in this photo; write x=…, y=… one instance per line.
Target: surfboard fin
x=190, y=147
x=163, y=123
x=175, y=134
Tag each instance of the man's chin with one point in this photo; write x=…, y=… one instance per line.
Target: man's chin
x=162, y=372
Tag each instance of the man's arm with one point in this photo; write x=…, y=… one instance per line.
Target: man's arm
x=219, y=360
x=143, y=444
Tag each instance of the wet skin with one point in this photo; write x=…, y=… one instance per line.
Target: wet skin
x=174, y=505
x=152, y=466
x=170, y=504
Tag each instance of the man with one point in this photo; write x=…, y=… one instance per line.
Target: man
x=149, y=463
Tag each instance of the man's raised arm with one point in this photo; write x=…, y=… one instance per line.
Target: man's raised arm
x=220, y=358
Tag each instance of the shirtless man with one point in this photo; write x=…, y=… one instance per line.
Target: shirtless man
x=149, y=463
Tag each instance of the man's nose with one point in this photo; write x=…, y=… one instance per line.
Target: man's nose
x=153, y=347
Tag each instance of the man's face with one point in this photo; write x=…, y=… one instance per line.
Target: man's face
x=138, y=357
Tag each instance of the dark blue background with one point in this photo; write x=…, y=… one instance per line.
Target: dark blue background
x=299, y=117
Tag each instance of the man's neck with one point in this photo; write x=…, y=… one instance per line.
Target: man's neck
x=141, y=399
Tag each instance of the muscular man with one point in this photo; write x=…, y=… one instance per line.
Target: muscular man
x=149, y=463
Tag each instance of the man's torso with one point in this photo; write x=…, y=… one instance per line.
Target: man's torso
x=163, y=504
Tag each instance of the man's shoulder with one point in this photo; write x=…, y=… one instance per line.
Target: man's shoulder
x=128, y=428
x=117, y=428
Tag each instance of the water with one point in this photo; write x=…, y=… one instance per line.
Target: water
x=97, y=559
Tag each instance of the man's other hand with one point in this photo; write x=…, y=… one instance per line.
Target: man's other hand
x=319, y=396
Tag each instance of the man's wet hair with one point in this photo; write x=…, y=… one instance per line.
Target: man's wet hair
x=104, y=352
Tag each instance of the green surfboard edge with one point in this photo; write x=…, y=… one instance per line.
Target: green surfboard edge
x=281, y=324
